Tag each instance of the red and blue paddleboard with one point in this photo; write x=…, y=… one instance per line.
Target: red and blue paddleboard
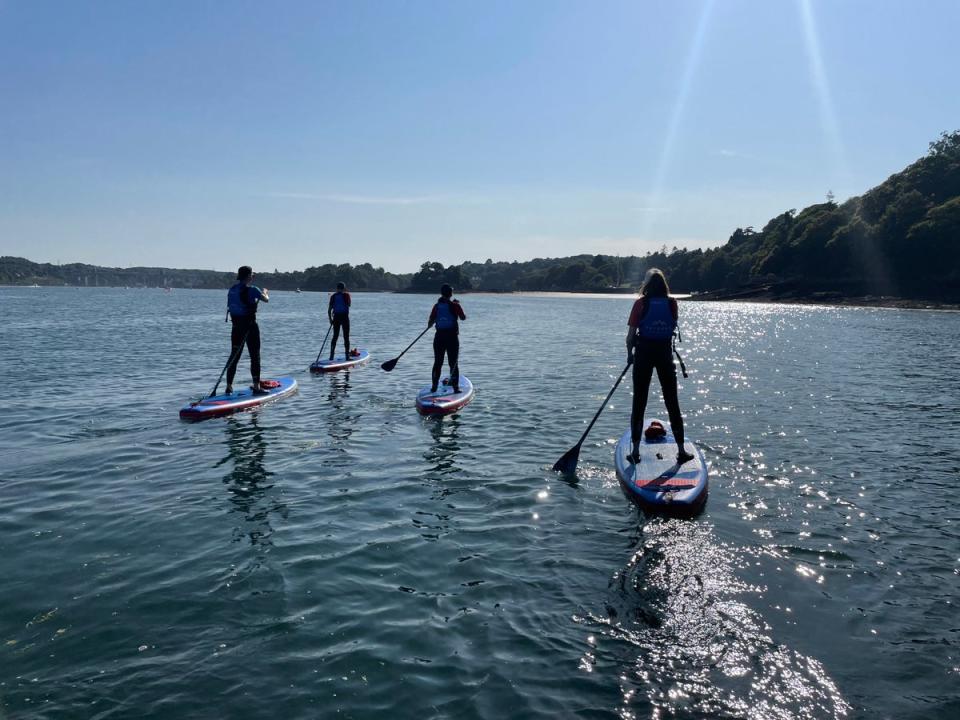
x=244, y=399
x=657, y=482
x=340, y=362
x=444, y=401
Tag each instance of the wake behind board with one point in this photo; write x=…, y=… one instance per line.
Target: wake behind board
x=244, y=399
x=657, y=481
x=340, y=362
x=444, y=401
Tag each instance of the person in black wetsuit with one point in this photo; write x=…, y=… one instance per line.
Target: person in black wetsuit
x=652, y=323
x=242, y=301
x=339, y=313
x=446, y=314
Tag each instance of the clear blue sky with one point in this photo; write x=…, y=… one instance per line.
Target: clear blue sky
x=209, y=134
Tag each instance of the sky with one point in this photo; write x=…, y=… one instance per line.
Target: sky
x=284, y=135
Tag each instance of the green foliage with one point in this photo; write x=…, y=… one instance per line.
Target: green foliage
x=18, y=271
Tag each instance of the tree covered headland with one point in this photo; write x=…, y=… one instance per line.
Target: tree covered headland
x=17, y=271
x=899, y=239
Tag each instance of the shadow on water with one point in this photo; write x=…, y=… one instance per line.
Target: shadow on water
x=248, y=481
x=691, y=646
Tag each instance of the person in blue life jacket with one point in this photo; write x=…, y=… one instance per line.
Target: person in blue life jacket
x=652, y=323
x=338, y=310
x=446, y=315
x=242, y=301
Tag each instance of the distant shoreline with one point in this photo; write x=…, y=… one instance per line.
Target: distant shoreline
x=823, y=299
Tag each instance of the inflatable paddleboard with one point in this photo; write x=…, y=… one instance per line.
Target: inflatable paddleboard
x=243, y=399
x=657, y=481
x=444, y=401
x=340, y=362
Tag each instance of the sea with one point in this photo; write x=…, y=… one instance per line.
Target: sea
x=335, y=555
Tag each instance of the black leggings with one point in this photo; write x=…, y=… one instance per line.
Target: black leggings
x=341, y=320
x=248, y=327
x=648, y=355
x=446, y=341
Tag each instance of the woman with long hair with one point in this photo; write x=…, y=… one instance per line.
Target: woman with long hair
x=652, y=322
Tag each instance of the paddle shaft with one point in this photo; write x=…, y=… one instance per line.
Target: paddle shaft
x=329, y=327
x=605, y=401
x=236, y=351
x=410, y=346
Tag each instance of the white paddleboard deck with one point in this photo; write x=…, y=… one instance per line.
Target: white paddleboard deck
x=657, y=480
x=445, y=401
x=340, y=362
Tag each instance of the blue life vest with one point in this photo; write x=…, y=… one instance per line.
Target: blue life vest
x=657, y=322
x=340, y=306
x=446, y=315
x=238, y=300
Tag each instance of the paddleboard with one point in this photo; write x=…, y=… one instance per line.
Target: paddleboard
x=444, y=401
x=242, y=399
x=340, y=362
x=657, y=481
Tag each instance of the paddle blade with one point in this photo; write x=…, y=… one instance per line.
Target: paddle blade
x=568, y=463
x=389, y=364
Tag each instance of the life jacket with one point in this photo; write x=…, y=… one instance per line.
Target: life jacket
x=340, y=306
x=657, y=322
x=238, y=301
x=446, y=315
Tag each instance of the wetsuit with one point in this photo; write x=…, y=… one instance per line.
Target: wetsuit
x=242, y=303
x=446, y=315
x=339, y=312
x=655, y=319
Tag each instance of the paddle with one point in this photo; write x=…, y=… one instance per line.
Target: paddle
x=568, y=463
x=391, y=364
x=322, y=344
x=234, y=352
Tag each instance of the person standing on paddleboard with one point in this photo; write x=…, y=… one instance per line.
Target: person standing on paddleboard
x=242, y=301
x=446, y=315
x=339, y=313
x=653, y=320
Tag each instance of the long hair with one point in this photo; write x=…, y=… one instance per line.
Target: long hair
x=655, y=284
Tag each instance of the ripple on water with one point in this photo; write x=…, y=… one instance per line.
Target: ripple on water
x=337, y=554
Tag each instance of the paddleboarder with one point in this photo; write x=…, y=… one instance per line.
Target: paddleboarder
x=445, y=315
x=338, y=310
x=653, y=321
x=242, y=301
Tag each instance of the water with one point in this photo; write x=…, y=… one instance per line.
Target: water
x=335, y=555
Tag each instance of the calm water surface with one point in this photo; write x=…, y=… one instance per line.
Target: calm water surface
x=335, y=555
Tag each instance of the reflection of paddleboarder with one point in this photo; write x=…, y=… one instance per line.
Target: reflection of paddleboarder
x=339, y=313
x=249, y=481
x=242, y=301
x=653, y=320
x=445, y=315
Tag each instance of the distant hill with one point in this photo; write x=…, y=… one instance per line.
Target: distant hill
x=900, y=239
x=18, y=271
